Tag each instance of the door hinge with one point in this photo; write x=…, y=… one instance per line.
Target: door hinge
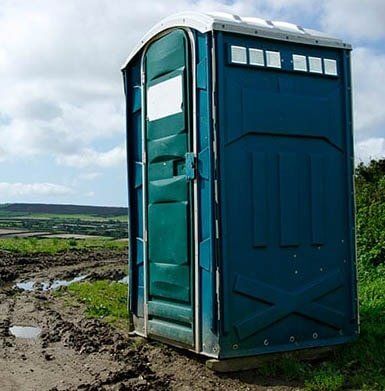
x=191, y=166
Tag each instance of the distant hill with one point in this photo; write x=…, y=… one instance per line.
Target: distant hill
x=65, y=209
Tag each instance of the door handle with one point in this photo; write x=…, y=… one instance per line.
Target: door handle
x=190, y=165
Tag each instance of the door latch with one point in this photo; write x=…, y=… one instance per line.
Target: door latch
x=190, y=166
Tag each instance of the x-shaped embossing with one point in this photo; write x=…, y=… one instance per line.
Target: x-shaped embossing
x=284, y=303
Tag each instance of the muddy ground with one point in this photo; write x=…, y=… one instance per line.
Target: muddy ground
x=76, y=353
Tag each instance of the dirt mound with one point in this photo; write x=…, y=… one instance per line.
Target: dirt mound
x=93, y=336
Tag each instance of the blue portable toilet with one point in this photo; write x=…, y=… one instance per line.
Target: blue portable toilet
x=240, y=179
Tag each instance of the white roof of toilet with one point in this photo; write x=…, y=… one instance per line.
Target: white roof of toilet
x=205, y=22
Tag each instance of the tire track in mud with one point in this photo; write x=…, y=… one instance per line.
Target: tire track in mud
x=15, y=266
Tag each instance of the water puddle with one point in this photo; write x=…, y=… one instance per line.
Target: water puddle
x=25, y=331
x=124, y=280
x=58, y=283
x=26, y=285
x=32, y=285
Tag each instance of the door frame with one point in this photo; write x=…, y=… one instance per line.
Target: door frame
x=194, y=198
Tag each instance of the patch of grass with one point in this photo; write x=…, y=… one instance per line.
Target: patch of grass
x=326, y=378
x=27, y=246
x=103, y=299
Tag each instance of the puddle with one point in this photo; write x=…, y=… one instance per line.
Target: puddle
x=58, y=283
x=25, y=331
x=26, y=285
x=30, y=286
x=124, y=280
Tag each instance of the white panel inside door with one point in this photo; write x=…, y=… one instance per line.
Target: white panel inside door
x=165, y=98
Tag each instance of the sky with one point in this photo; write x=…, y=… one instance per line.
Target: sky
x=62, y=125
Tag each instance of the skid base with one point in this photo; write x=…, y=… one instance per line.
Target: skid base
x=253, y=362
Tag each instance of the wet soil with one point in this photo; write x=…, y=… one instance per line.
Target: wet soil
x=72, y=352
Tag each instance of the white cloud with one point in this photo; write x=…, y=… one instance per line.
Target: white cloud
x=10, y=190
x=356, y=19
x=351, y=19
x=89, y=176
x=90, y=158
x=43, y=127
x=372, y=148
x=60, y=76
x=369, y=92
x=61, y=90
x=2, y=154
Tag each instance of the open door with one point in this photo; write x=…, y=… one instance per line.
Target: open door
x=169, y=268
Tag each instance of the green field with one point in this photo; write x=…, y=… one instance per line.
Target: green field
x=26, y=246
x=42, y=220
x=57, y=216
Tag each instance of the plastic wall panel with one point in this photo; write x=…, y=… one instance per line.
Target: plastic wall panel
x=287, y=257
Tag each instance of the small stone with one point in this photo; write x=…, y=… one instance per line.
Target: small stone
x=135, y=382
x=49, y=357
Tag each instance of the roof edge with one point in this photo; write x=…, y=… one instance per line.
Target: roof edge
x=232, y=23
x=195, y=20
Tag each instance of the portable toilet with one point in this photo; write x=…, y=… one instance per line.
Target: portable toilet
x=240, y=178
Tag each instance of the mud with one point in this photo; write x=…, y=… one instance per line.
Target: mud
x=72, y=352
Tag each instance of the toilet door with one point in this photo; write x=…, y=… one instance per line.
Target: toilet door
x=169, y=192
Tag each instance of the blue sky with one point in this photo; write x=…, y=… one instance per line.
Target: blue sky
x=61, y=97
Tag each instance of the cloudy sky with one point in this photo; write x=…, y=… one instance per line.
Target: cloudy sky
x=61, y=97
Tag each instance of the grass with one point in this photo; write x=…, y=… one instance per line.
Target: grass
x=325, y=379
x=103, y=299
x=28, y=246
